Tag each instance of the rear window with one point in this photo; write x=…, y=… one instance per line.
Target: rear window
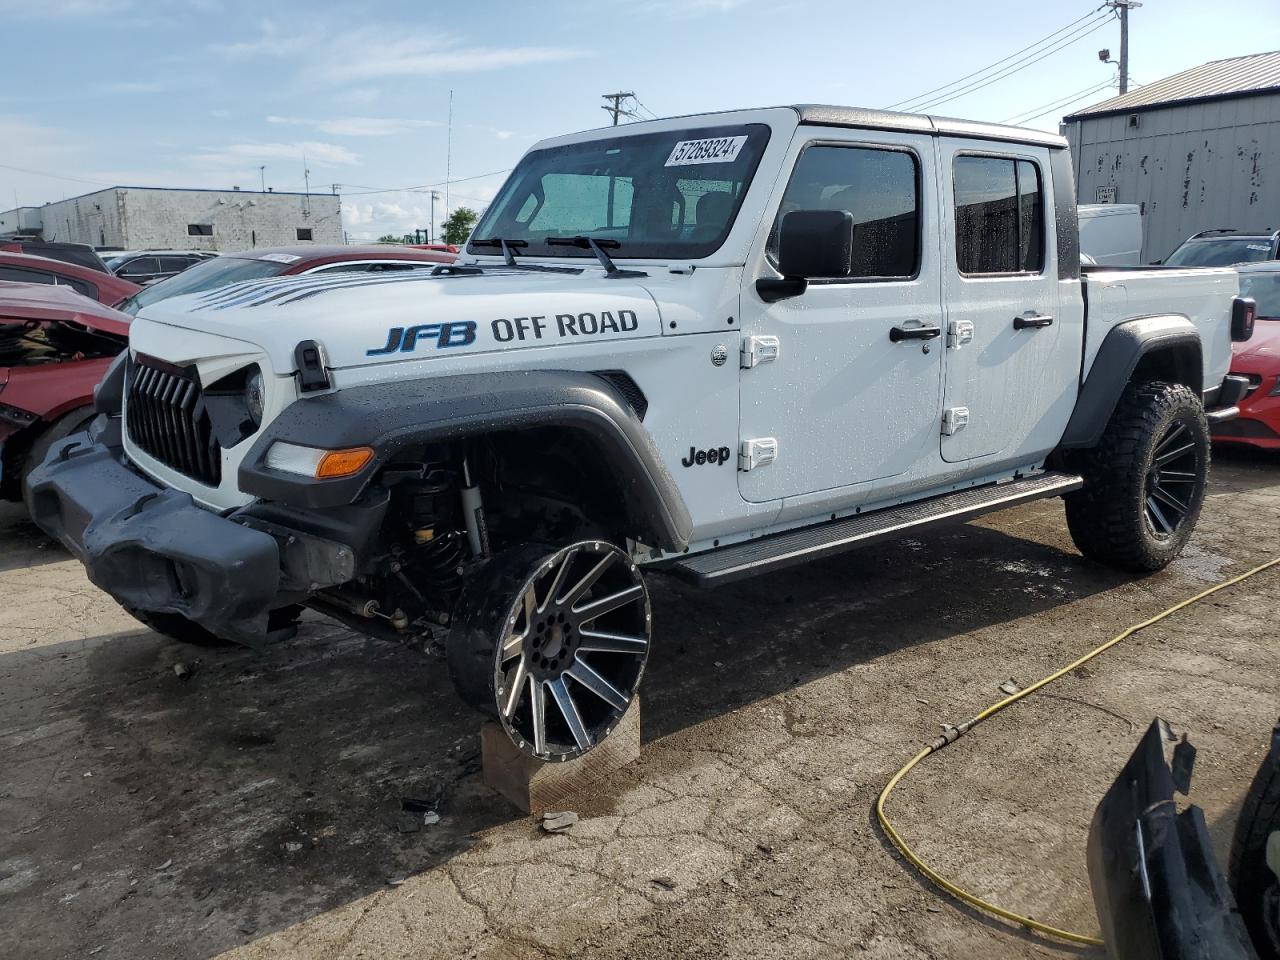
x=207, y=275
x=999, y=216
x=1222, y=252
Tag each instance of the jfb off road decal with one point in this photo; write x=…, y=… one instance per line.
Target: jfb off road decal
x=564, y=325
x=406, y=339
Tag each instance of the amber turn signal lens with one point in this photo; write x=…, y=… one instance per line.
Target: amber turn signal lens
x=343, y=463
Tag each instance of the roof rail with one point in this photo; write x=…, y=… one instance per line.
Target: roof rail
x=1216, y=232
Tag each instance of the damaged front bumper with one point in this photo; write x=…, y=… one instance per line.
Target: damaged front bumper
x=153, y=548
x=1159, y=892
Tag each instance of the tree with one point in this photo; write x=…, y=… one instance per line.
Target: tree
x=458, y=227
x=392, y=238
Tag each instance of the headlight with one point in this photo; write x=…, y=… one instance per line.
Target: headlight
x=255, y=396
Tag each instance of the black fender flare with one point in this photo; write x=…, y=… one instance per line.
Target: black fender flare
x=396, y=414
x=1126, y=345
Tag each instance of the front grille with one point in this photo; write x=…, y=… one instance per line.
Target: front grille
x=168, y=420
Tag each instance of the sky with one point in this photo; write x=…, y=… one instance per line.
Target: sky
x=202, y=93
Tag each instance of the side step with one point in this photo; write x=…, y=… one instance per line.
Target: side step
x=810, y=543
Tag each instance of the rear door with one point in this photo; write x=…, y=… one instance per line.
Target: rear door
x=851, y=394
x=1010, y=358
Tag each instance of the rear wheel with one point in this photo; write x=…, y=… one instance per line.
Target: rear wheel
x=1144, y=482
x=553, y=643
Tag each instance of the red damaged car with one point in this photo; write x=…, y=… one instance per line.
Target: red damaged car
x=95, y=284
x=1258, y=359
x=55, y=345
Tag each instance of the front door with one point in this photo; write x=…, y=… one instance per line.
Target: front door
x=1011, y=359
x=853, y=394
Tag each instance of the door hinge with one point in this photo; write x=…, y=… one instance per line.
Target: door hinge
x=959, y=332
x=757, y=350
x=757, y=453
x=954, y=419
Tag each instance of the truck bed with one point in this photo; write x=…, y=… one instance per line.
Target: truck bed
x=1202, y=294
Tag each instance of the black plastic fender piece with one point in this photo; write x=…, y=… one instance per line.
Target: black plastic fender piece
x=108, y=395
x=391, y=416
x=1159, y=892
x=1123, y=348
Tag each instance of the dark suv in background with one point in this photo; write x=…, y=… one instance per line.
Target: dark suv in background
x=148, y=266
x=1224, y=248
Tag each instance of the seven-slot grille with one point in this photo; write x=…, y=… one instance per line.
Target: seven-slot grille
x=167, y=419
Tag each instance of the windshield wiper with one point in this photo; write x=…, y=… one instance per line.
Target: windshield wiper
x=597, y=247
x=506, y=245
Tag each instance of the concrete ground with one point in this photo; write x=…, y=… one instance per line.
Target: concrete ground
x=253, y=809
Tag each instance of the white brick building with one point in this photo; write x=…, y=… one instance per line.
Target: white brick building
x=155, y=218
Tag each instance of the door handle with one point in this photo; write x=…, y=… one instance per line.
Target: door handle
x=897, y=334
x=1031, y=323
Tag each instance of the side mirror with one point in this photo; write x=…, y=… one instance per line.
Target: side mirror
x=1243, y=313
x=811, y=244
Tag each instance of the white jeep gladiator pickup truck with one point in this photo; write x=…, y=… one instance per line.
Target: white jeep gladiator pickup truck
x=713, y=345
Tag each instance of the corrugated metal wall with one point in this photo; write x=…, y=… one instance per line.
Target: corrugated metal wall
x=1196, y=167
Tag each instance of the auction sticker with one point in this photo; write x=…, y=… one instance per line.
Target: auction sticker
x=716, y=150
x=280, y=257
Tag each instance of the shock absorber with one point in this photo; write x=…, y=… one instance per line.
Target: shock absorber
x=473, y=514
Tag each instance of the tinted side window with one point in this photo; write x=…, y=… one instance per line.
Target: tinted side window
x=18, y=275
x=141, y=267
x=880, y=188
x=999, y=216
x=174, y=264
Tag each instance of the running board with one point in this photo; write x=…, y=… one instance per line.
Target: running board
x=810, y=543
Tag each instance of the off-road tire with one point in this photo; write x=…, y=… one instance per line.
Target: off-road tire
x=177, y=627
x=1108, y=517
x=64, y=426
x=1252, y=881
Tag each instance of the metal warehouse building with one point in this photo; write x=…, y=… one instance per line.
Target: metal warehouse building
x=153, y=218
x=1199, y=150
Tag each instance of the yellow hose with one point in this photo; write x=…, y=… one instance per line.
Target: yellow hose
x=954, y=733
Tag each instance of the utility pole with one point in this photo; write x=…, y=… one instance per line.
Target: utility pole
x=435, y=195
x=1124, y=6
x=448, y=156
x=262, y=172
x=617, y=110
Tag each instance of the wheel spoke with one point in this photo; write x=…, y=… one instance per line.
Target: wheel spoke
x=538, y=705
x=585, y=584
x=515, y=680
x=569, y=710
x=514, y=644
x=554, y=590
x=598, y=608
x=612, y=642
x=1164, y=496
x=1177, y=431
x=1154, y=511
x=1182, y=451
x=1177, y=476
x=602, y=688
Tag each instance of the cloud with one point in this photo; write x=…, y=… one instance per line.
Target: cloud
x=315, y=152
x=378, y=51
x=357, y=126
x=62, y=8
x=126, y=87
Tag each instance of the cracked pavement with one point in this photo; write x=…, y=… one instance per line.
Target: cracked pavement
x=253, y=810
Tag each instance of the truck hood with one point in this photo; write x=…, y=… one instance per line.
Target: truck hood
x=46, y=303
x=360, y=319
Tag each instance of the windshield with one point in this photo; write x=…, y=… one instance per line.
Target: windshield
x=206, y=275
x=1264, y=288
x=660, y=195
x=1220, y=253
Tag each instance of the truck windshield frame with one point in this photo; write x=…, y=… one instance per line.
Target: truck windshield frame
x=647, y=191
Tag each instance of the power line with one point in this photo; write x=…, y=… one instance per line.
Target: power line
x=366, y=191
x=921, y=96
x=1049, y=107
x=55, y=176
x=1017, y=66
x=652, y=115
